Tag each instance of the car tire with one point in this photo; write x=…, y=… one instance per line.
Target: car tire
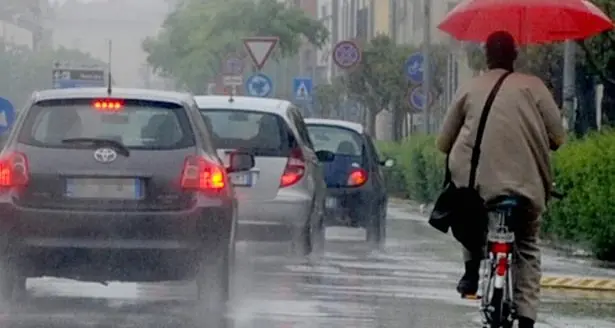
x=376, y=229
x=12, y=282
x=213, y=281
x=318, y=237
x=301, y=244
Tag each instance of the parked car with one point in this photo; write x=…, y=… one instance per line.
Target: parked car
x=356, y=194
x=282, y=197
x=126, y=187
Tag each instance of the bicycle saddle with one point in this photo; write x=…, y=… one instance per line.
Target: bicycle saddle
x=507, y=202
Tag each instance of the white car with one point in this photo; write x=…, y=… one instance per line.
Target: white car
x=282, y=197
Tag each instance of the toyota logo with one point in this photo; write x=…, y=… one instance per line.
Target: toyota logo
x=105, y=155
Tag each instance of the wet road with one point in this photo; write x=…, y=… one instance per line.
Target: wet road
x=409, y=284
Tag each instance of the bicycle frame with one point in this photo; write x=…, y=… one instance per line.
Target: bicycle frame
x=496, y=285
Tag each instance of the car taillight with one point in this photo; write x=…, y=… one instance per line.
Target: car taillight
x=202, y=175
x=294, y=170
x=14, y=170
x=357, y=177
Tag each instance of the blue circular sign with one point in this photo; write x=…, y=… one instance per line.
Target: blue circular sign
x=7, y=115
x=414, y=68
x=259, y=85
x=417, y=99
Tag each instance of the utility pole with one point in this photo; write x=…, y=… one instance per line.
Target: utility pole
x=569, y=85
x=427, y=62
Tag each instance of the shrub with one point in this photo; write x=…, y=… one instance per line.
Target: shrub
x=584, y=169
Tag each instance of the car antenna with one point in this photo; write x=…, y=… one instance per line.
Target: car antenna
x=109, y=71
x=231, y=93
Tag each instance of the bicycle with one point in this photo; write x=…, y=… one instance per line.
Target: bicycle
x=496, y=283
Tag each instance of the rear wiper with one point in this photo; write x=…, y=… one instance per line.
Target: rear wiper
x=100, y=142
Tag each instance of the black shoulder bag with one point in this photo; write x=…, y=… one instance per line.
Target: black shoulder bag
x=462, y=209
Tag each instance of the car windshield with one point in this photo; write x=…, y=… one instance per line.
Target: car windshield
x=263, y=134
x=335, y=139
x=137, y=125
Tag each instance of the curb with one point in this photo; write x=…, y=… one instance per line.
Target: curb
x=579, y=283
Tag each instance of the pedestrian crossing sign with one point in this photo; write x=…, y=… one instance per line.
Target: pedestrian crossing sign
x=302, y=88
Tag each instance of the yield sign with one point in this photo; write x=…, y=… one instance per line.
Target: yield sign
x=260, y=48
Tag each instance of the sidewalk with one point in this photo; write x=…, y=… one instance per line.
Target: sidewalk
x=559, y=272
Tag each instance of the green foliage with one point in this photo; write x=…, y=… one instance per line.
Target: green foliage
x=599, y=51
x=419, y=168
x=198, y=35
x=23, y=71
x=584, y=171
x=328, y=98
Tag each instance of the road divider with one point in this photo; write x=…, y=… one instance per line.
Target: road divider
x=580, y=283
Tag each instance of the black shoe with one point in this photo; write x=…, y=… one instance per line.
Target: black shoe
x=468, y=285
x=526, y=322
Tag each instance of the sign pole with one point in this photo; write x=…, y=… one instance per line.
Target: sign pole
x=426, y=61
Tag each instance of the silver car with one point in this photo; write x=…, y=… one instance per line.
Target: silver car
x=282, y=197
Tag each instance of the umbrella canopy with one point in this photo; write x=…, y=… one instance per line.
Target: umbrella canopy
x=529, y=21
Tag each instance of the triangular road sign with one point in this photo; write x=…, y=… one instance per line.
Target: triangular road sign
x=3, y=121
x=260, y=48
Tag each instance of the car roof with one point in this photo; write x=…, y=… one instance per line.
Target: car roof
x=338, y=123
x=138, y=94
x=267, y=105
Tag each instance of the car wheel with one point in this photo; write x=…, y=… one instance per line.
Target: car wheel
x=375, y=230
x=12, y=282
x=318, y=237
x=213, y=290
x=301, y=243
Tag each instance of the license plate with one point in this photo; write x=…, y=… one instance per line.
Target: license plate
x=104, y=188
x=243, y=179
x=330, y=202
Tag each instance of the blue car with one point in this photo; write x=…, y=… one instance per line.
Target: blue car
x=356, y=193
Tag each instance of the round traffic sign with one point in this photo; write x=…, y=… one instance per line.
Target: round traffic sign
x=414, y=68
x=233, y=65
x=259, y=85
x=7, y=115
x=417, y=99
x=346, y=54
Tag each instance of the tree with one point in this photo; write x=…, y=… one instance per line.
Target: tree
x=23, y=71
x=329, y=98
x=379, y=81
x=599, y=57
x=198, y=35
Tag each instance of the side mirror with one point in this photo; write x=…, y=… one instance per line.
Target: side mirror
x=325, y=156
x=388, y=162
x=239, y=161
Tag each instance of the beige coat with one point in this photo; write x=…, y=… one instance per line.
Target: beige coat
x=524, y=121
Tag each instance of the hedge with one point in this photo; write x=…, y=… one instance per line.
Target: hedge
x=584, y=171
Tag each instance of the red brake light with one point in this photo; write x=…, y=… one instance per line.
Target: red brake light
x=200, y=174
x=503, y=248
x=14, y=170
x=357, y=177
x=108, y=105
x=294, y=170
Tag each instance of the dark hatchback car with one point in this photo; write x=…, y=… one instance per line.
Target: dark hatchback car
x=356, y=194
x=125, y=187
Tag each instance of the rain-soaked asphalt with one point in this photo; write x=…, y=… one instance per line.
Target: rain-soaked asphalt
x=409, y=284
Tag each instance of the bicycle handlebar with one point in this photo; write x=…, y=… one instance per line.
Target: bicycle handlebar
x=557, y=195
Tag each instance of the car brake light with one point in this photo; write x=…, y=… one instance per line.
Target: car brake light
x=108, y=105
x=202, y=175
x=14, y=170
x=294, y=170
x=357, y=177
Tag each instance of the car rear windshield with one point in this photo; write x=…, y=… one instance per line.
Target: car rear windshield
x=263, y=134
x=335, y=139
x=137, y=124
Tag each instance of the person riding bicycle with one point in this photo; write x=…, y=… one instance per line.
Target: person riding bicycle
x=523, y=126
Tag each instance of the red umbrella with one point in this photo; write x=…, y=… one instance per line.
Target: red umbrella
x=529, y=21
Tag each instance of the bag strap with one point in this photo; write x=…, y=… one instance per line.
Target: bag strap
x=481, y=128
